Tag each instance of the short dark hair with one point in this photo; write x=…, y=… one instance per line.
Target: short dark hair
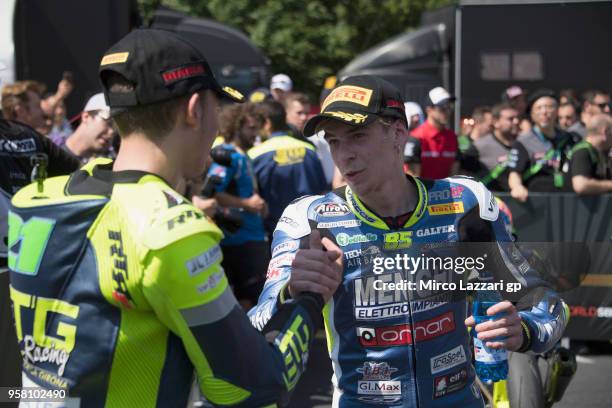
x=275, y=113
x=589, y=96
x=154, y=120
x=497, y=109
x=479, y=112
x=568, y=104
x=295, y=96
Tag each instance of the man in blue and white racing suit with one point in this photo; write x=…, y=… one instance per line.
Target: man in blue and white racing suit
x=390, y=343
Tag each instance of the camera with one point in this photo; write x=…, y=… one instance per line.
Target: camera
x=230, y=219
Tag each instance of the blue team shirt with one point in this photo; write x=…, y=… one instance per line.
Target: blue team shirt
x=239, y=180
x=286, y=168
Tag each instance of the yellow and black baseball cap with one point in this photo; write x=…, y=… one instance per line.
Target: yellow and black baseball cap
x=161, y=65
x=358, y=101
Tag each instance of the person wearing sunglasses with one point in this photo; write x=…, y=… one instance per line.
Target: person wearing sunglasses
x=95, y=133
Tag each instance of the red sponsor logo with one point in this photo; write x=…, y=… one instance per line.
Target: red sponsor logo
x=457, y=192
x=182, y=73
x=122, y=298
x=273, y=273
x=395, y=104
x=591, y=311
x=403, y=334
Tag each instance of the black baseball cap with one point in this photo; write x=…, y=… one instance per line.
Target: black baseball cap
x=161, y=65
x=359, y=100
x=540, y=93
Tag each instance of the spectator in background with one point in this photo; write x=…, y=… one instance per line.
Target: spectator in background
x=567, y=117
x=537, y=157
x=259, y=95
x=412, y=148
x=483, y=125
x=61, y=128
x=297, y=106
x=517, y=98
x=280, y=85
x=487, y=158
x=51, y=101
x=594, y=102
x=95, y=133
x=21, y=103
x=438, y=143
x=245, y=251
x=589, y=166
x=568, y=95
x=285, y=167
x=415, y=116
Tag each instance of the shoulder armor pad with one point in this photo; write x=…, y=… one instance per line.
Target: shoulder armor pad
x=166, y=218
x=294, y=221
x=486, y=200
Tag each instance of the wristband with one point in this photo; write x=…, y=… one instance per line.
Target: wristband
x=526, y=345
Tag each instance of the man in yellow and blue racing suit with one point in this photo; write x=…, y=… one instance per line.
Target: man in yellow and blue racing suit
x=117, y=289
x=391, y=343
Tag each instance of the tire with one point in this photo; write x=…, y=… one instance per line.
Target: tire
x=525, y=389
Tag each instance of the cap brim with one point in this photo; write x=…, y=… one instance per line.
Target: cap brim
x=230, y=94
x=348, y=116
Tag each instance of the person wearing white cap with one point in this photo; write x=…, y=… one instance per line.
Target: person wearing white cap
x=280, y=85
x=95, y=134
x=438, y=143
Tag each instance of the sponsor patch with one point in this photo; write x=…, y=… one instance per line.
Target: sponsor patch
x=211, y=283
x=286, y=157
x=273, y=273
x=442, y=229
x=344, y=239
x=200, y=263
x=336, y=224
x=332, y=209
x=289, y=221
x=282, y=261
x=452, y=193
x=449, y=383
x=373, y=370
x=116, y=58
x=348, y=93
x=379, y=387
x=286, y=246
x=448, y=208
x=356, y=118
x=18, y=146
x=372, y=304
x=184, y=72
x=404, y=334
x=449, y=359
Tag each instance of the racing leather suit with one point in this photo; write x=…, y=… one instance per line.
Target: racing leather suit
x=118, y=296
x=407, y=348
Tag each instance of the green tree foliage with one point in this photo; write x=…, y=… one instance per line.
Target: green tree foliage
x=308, y=39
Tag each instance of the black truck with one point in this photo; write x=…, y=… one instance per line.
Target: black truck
x=478, y=48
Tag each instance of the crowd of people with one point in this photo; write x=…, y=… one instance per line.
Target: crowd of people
x=266, y=155
x=526, y=142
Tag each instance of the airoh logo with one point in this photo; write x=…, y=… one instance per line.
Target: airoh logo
x=332, y=209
